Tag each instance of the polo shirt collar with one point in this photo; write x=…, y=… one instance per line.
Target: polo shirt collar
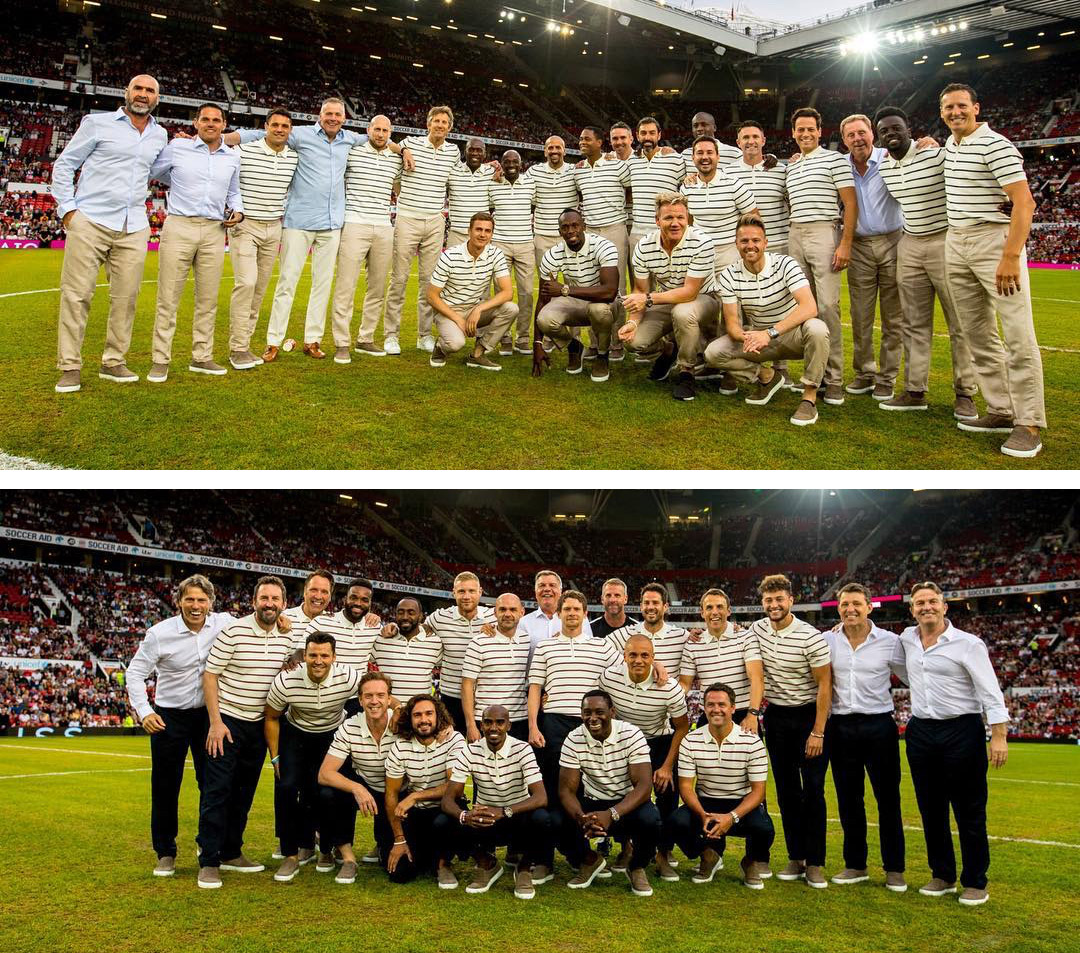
x=907, y=158
x=365, y=731
x=600, y=742
x=584, y=251
x=343, y=619
x=982, y=131
x=566, y=638
x=630, y=683
x=746, y=165
x=261, y=143
x=690, y=232
x=729, y=629
x=766, y=270
x=731, y=735
x=309, y=683
x=499, y=754
x=258, y=629
x=564, y=167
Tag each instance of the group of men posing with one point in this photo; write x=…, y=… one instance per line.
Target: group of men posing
x=732, y=260
x=572, y=732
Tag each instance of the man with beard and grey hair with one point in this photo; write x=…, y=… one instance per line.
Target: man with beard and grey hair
x=105, y=219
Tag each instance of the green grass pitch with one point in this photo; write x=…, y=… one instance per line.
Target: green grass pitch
x=76, y=865
x=398, y=413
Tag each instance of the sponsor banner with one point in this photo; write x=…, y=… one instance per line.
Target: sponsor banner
x=1056, y=141
x=1060, y=265
x=1010, y=590
x=37, y=664
x=45, y=187
x=19, y=242
x=18, y=80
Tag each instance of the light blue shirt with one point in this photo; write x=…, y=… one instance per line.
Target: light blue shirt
x=201, y=183
x=316, y=201
x=879, y=212
x=115, y=160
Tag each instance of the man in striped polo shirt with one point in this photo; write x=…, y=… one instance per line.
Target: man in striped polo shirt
x=986, y=267
x=816, y=183
x=315, y=696
x=725, y=653
x=354, y=628
x=364, y=741
x=459, y=293
x=704, y=124
x=723, y=769
x=717, y=201
x=317, y=593
x=511, y=200
x=916, y=179
x=611, y=759
x=668, y=640
x=417, y=772
x=656, y=710
x=510, y=805
x=372, y=174
x=775, y=298
x=677, y=260
x=766, y=180
x=495, y=670
x=420, y=226
x=603, y=184
x=652, y=170
x=468, y=190
x=798, y=688
x=241, y=665
x=456, y=626
x=406, y=652
x=266, y=171
x=589, y=265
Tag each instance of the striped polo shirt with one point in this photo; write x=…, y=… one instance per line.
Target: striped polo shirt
x=725, y=155
x=468, y=194
x=766, y=297
x=556, y=191
x=354, y=741
x=813, y=183
x=246, y=659
x=408, y=662
x=603, y=188
x=977, y=168
x=265, y=176
x=512, y=207
x=693, y=257
x=581, y=268
x=769, y=188
x=466, y=280
x=724, y=769
x=917, y=182
x=423, y=191
x=313, y=706
x=370, y=175
x=667, y=643
x=567, y=668
x=500, y=668
x=423, y=766
x=301, y=623
x=644, y=704
x=353, y=641
x=788, y=657
x=456, y=632
x=605, y=765
x=723, y=659
x=661, y=173
x=717, y=204
x=500, y=778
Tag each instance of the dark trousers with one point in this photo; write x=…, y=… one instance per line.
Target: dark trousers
x=338, y=815
x=666, y=801
x=800, y=781
x=861, y=745
x=228, y=790
x=687, y=830
x=554, y=728
x=457, y=713
x=302, y=754
x=948, y=766
x=431, y=836
x=528, y=833
x=642, y=827
x=185, y=730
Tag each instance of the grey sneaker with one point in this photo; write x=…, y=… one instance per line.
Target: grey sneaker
x=639, y=882
x=861, y=385
x=584, y=877
x=523, y=884
x=973, y=896
x=207, y=367
x=371, y=857
x=542, y=874
x=751, y=876
x=1022, y=443
x=882, y=391
x=118, y=373
x=70, y=381
x=242, y=865
x=209, y=878
x=438, y=358
x=894, y=881
x=834, y=395
x=484, y=878
x=370, y=348
x=601, y=369
x=159, y=373
x=305, y=856
x=851, y=876
x=710, y=863
x=937, y=888
x=964, y=408
x=729, y=385
x=763, y=393
x=484, y=362
x=795, y=870
x=574, y=351
x=244, y=360
x=664, y=868
x=908, y=400
x=506, y=346
x=166, y=867
x=622, y=861
x=805, y=414
x=815, y=877
x=347, y=874
x=325, y=864
x=446, y=877
x=589, y=354
x=520, y=348
x=289, y=868
x=616, y=353
x=987, y=423
x=342, y=356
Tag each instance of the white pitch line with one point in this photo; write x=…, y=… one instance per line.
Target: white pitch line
x=44, y=750
x=1063, y=784
x=1059, y=300
x=42, y=291
x=56, y=774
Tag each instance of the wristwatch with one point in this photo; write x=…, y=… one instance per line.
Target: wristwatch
x=565, y=291
x=735, y=817
x=648, y=301
x=508, y=812
x=773, y=333
x=614, y=814
x=756, y=712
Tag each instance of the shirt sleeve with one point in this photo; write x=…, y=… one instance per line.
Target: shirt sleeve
x=624, y=174
x=441, y=275
x=817, y=651
x=639, y=748
x=1005, y=164
x=687, y=761
x=75, y=153
x=570, y=757
x=728, y=294
x=677, y=702
x=538, y=667
x=842, y=176
x=794, y=277
x=530, y=770
x=757, y=765
x=751, y=648
x=138, y=670
x=744, y=197
x=977, y=662
x=221, y=653
x=459, y=766
x=340, y=747
x=234, y=200
x=473, y=661
x=607, y=255
x=637, y=262
x=253, y=135
x=275, y=698
x=395, y=767
x=164, y=162
x=688, y=665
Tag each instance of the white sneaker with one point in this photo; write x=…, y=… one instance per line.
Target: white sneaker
x=391, y=345
x=372, y=857
x=425, y=343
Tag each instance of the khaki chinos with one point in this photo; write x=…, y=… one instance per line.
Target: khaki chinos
x=295, y=243
x=87, y=247
x=489, y=331
x=560, y=315
x=253, y=248
x=812, y=245
x=872, y=275
x=456, y=238
x=521, y=257
x=361, y=243
x=692, y=322
x=413, y=238
x=809, y=342
x=1010, y=374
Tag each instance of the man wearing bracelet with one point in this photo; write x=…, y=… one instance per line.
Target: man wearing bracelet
x=419, y=763
x=509, y=804
x=315, y=695
x=612, y=759
x=722, y=774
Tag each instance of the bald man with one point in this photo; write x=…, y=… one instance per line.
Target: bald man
x=495, y=669
x=106, y=223
x=703, y=124
x=468, y=189
x=511, y=201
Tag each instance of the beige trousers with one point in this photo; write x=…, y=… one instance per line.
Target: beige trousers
x=616, y=234
x=521, y=256
x=920, y=274
x=560, y=315
x=188, y=243
x=1008, y=365
x=295, y=244
x=541, y=243
x=808, y=342
x=360, y=244
x=88, y=246
x=872, y=276
x=253, y=247
x=694, y=323
x=456, y=238
x=812, y=245
x=413, y=238
x=493, y=325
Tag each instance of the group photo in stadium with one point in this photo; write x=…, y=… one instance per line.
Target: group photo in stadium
x=436, y=719
x=861, y=226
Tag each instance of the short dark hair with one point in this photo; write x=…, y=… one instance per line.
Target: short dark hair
x=885, y=111
x=320, y=574
x=719, y=687
x=715, y=592
x=648, y=121
x=927, y=584
x=777, y=582
x=595, y=130
x=749, y=122
x=360, y=583
x=405, y=729
x=571, y=211
x=622, y=125
x=269, y=581
x=711, y=139
x=599, y=693
x=321, y=638
x=750, y=220
x=279, y=111
x=854, y=587
x=958, y=88
x=656, y=587
x=576, y=596
x=806, y=112
x=481, y=216
x=374, y=677
x=202, y=106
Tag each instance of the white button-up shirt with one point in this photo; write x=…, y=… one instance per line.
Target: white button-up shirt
x=862, y=676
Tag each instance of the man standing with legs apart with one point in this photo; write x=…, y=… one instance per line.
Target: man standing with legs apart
x=651, y=172
x=511, y=201
x=105, y=219
x=952, y=686
x=986, y=267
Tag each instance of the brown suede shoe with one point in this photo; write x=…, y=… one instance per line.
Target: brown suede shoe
x=313, y=350
x=1022, y=443
x=270, y=353
x=987, y=423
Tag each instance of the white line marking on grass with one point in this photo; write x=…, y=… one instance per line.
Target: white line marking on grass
x=56, y=774
x=42, y=291
x=1059, y=300
x=49, y=750
x=1064, y=784
x=9, y=461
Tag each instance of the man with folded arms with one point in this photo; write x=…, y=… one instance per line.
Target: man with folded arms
x=722, y=775
x=495, y=671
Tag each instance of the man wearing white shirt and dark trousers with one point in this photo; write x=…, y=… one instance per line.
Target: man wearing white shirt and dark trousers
x=952, y=686
x=863, y=737
x=176, y=649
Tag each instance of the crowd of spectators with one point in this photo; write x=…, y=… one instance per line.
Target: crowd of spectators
x=61, y=696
